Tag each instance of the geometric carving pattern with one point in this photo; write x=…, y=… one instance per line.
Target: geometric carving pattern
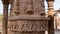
x=28, y=26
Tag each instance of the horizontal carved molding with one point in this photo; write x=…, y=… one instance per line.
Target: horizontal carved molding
x=28, y=17
x=26, y=25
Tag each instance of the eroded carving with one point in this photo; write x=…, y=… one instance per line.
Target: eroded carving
x=26, y=16
x=24, y=26
x=30, y=12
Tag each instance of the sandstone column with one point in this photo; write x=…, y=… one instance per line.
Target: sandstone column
x=5, y=16
x=51, y=16
x=28, y=17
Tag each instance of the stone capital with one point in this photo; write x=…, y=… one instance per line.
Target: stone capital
x=5, y=1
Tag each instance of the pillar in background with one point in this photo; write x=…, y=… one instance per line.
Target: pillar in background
x=51, y=16
x=5, y=16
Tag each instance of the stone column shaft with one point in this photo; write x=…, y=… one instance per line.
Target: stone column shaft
x=5, y=18
x=51, y=16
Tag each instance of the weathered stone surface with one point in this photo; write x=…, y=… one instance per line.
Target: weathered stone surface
x=27, y=17
x=28, y=25
x=51, y=16
x=28, y=6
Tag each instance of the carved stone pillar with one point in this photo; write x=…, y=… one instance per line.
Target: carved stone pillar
x=5, y=16
x=51, y=16
x=28, y=17
x=50, y=8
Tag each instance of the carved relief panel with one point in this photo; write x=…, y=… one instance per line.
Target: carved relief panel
x=14, y=7
x=27, y=16
x=28, y=7
x=23, y=25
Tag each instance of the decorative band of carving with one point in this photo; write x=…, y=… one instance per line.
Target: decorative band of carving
x=23, y=25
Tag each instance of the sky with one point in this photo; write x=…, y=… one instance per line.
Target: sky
x=56, y=6
x=1, y=7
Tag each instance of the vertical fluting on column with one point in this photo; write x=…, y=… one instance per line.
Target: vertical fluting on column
x=51, y=16
x=5, y=16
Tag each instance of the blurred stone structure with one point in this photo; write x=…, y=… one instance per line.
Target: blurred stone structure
x=50, y=14
x=57, y=20
x=27, y=17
